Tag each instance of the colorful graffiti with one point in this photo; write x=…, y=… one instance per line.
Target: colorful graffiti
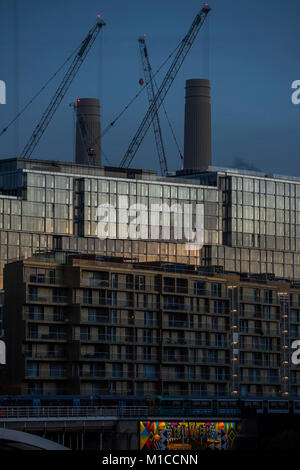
x=163, y=435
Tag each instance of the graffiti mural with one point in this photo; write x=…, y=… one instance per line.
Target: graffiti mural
x=170, y=435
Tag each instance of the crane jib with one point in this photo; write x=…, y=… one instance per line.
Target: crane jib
x=165, y=86
x=61, y=90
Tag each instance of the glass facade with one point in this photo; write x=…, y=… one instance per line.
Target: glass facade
x=251, y=221
x=42, y=209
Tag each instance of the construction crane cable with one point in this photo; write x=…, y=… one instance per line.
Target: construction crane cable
x=171, y=127
x=62, y=89
x=112, y=123
x=40, y=91
x=151, y=96
x=165, y=86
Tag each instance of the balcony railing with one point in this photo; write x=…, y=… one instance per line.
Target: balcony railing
x=54, y=299
x=70, y=412
x=44, y=355
x=46, y=317
x=48, y=336
x=46, y=373
x=118, y=357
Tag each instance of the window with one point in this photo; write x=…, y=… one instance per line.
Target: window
x=147, y=336
x=111, y=333
x=33, y=294
x=33, y=369
x=146, y=353
x=220, y=373
x=244, y=326
x=216, y=290
x=114, y=281
x=37, y=275
x=191, y=372
x=97, y=370
x=198, y=338
x=92, y=315
x=129, y=281
x=294, y=331
x=198, y=389
x=266, y=312
x=98, y=279
x=192, y=355
x=149, y=371
x=58, y=295
x=294, y=316
x=113, y=316
x=268, y=296
x=111, y=297
x=220, y=390
x=214, y=323
x=169, y=284
x=36, y=312
x=117, y=370
x=140, y=388
x=140, y=282
x=129, y=299
x=33, y=331
x=182, y=286
x=148, y=318
x=220, y=339
x=219, y=306
x=199, y=287
x=84, y=333
x=52, y=276
x=256, y=295
x=56, y=370
x=169, y=354
x=58, y=313
x=212, y=355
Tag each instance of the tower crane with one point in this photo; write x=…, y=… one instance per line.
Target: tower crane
x=151, y=96
x=62, y=89
x=165, y=86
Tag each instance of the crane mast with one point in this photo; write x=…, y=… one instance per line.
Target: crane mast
x=62, y=89
x=151, y=97
x=165, y=86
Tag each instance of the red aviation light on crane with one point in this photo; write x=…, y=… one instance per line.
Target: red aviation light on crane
x=206, y=8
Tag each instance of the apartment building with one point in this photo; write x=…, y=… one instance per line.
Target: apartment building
x=84, y=324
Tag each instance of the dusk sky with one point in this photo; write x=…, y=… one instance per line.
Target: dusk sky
x=250, y=50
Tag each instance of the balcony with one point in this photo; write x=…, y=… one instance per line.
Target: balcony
x=46, y=374
x=44, y=355
x=43, y=317
x=58, y=299
x=48, y=336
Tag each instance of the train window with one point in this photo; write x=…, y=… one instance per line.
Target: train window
x=172, y=404
x=253, y=404
x=201, y=404
x=228, y=404
x=297, y=406
x=278, y=406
